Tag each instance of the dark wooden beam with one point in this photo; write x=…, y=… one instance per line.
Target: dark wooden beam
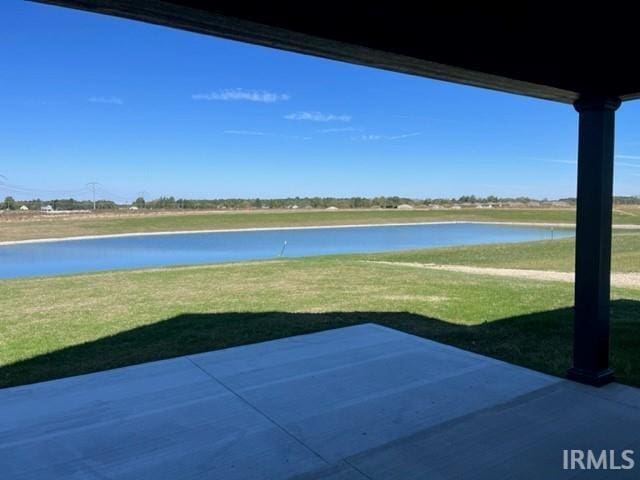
x=593, y=241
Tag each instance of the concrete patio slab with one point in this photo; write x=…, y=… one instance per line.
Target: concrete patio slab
x=357, y=402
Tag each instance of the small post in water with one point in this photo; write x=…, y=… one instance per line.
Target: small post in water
x=283, y=247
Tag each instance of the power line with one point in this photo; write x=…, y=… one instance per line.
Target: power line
x=35, y=191
x=114, y=195
x=18, y=189
x=95, y=189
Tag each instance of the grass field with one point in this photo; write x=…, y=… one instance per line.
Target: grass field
x=52, y=226
x=60, y=326
x=555, y=255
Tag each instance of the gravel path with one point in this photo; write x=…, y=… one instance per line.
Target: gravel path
x=625, y=280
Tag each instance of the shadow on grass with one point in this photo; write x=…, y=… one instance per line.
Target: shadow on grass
x=541, y=340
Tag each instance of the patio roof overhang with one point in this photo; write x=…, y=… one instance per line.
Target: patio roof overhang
x=549, y=52
x=557, y=54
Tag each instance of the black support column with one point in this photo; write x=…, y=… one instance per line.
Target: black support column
x=593, y=241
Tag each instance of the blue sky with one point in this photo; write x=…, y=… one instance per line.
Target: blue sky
x=137, y=107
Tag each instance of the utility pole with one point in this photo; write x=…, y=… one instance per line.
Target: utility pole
x=92, y=186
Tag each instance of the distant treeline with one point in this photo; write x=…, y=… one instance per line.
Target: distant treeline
x=315, y=202
x=292, y=202
x=58, y=204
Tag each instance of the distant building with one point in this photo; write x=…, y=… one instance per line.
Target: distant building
x=24, y=208
x=45, y=208
x=331, y=208
x=133, y=207
x=405, y=206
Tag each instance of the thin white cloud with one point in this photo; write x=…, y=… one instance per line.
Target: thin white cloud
x=336, y=130
x=575, y=162
x=552, y=160
x=623, y=164
x=257, y=133
x=318, y=117
x=239, y=94
x=109, y=100
x=246, y=132
x=629, y=157
x=404, y=135
x=368, y=137
x=565, y=162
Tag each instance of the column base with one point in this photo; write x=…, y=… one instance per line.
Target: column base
x=597, y=378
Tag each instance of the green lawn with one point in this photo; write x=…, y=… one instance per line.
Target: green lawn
x=60, y=326
x=55, y=227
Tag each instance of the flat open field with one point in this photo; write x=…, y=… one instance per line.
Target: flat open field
x=32, y=226
x=60, y=326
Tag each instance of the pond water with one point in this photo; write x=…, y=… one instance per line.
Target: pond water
x=126, y=252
